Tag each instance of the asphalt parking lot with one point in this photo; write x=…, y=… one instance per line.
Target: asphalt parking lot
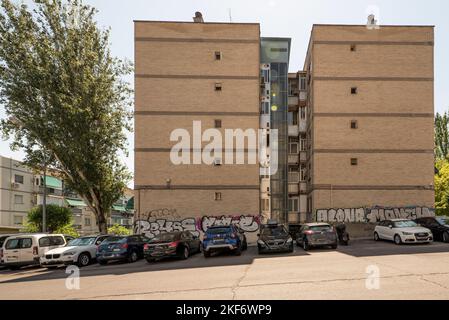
x=363, y=270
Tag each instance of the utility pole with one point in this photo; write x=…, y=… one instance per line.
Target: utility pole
x=44, y=200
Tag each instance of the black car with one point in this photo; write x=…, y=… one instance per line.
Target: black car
x=438, y=225
x=172, y=244
x=274, y=237
x=128, y=248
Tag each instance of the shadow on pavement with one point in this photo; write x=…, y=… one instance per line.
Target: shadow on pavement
x=121, y=268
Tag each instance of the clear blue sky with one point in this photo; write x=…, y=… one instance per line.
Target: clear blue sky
x=279, y=18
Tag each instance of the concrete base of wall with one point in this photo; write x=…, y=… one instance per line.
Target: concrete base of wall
x=360, y=230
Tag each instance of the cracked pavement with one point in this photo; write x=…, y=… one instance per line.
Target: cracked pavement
x=405, y=272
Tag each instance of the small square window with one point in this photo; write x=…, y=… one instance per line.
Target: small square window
x=353, y=47
x=217, y=123
x=18, y=178
x=217, y=196
x=354, y=124
x=354, y=161
x=218, y=55
x=217, y=86
x=354, y=90
x=18, y=199
x=18, y=220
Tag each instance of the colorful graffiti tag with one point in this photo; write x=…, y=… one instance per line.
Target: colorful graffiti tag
x=151, y=227
x=372, y=215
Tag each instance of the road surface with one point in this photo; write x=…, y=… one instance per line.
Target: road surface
x=364, y=270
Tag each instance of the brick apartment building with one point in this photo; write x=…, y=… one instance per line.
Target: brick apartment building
x=354, y=128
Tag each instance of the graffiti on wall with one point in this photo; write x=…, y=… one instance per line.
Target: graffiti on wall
x=372, y=215
x=151, y=227
x=161, y=213
x=246, y=223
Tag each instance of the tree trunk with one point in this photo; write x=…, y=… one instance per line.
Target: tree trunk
x=102, y=223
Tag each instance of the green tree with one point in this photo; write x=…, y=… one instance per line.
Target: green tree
x=58, y=218
x=442, y=135
x=442, y=187
x=119, y=230
x=65, y=97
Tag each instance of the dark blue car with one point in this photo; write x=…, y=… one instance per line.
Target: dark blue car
x=127, y=248
x=220, y=238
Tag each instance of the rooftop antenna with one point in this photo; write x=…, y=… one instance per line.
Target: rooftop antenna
x=230, y=15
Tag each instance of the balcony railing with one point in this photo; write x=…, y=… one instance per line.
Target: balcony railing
x=293, y=130
x=293, y=177
x=293, y=188
x=303, y=95
x=293, y=100
x=293, y=158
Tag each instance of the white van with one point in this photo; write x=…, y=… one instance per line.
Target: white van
x=26, y=249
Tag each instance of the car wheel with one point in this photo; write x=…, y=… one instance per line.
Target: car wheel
x=102, y=262
x=397, y=239
x=292, y=248
x=83, y=260
x=150, y=260
x=305, y=245
x=132, y=257
x=238, y=251
x=184, y=253
x=376, y=236
x=245, y=245
x=335, y=246
x=446, y=236
x=14, y=268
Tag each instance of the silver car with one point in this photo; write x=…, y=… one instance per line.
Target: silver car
x=316, y=235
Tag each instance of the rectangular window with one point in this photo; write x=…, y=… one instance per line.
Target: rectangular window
x=87, y=221
x=18, y=178
x=18, y=220
x=265, y=76
x=218, y=86
x=354, y=90
x=354, y=161
x=217, y=123
x=303, y=82
x=354, y=124
x=265, y=107
x=293, y=148
x=293, y=204
x=302, y=172
x=18, y=199
x=217, y=196
x=303, y=112
x=218, y=55
x=265, y=205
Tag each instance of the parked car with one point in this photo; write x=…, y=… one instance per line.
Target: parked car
x=402, y=231
x=293, y=229
x=274, y=237
x=3, y=237
x=317, y=235
x=219, y=238
x=438, y=225
x=26, y=249
x=173, y=244
x=80, y=251
x=128, y=248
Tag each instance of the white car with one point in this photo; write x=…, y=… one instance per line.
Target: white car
x=80, y=251
x=402, y=231
x=26, y=249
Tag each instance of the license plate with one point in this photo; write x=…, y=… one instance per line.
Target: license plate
x=115, y=250
x=218, y=241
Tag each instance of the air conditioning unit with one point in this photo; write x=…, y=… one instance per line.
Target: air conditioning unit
x=15, y=185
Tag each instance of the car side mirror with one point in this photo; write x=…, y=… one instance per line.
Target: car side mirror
x=390, y=226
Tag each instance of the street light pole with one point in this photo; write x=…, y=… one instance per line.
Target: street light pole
x=44, y=200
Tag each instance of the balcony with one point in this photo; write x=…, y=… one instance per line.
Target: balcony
x=302, y=156
x=293, y=177
x=293, y=130
x=302, y=187
x=293, y=188
x=293, y=158
x=293, y=100
x=303, y=95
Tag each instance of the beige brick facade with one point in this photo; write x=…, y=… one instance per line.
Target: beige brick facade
x=393, y=106
x=176, y=74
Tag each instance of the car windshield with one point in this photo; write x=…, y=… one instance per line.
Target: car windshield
x=218, y=230
x=404, y=224
x=114, y=240
x=165, y=237
x=274, y=231
x=443, y=220
x=321, y=228
x=81, y=242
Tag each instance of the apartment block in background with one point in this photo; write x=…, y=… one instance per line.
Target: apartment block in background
x=370, y=97
x=186, y=72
